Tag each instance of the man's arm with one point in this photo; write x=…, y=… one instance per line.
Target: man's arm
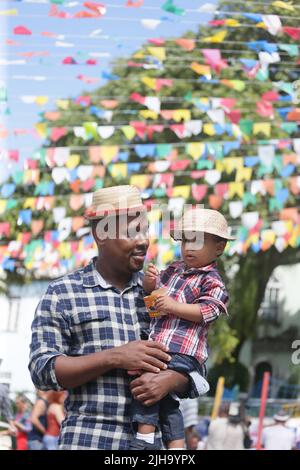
x=151, y=388
x=51, y=365
x=75, y=371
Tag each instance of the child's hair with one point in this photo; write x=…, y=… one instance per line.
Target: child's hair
x=219, y=239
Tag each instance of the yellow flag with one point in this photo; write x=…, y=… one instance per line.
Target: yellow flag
x=119, y=170
x=261, y=25
x=269, y=236
x=41, y=128
x=182, y=191
x=236, y=189
x=11, y=12
x=148, y=114
x=284, y=5
x=158, y=52
x=243, y=174
x=3, y=204
x=139, y=55
x=219, y=37
x=29, y=203
x=62, y=104
x=73, y=161
x=232, y=22
x=128, y=131
x=201, y=69
x=167, y=256
x=181, y=114
x=141, y=181
x=41, y=100
x=289, y=225
x=220, y=165
x=108, y=153
x=232, y=163
x=195, y=149
x=293, y=240
x=262, y=127
x=209, y=129
x=150, y=82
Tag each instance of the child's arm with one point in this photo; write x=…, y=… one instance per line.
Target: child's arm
x=150, y=278
x=190, y=312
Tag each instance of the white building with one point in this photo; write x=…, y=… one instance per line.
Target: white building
x=17, y=312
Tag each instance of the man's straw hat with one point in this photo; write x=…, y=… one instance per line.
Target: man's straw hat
x=114, y=201
x=202, y=220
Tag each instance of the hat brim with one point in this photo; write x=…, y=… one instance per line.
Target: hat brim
x=281, y=418
x=95, y=215
x=176, y=238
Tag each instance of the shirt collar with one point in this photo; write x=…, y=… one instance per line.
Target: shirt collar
x=181, y=267
x=92, y=278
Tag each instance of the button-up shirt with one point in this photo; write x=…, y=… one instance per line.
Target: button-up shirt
x=82, y=314
x=201, y=286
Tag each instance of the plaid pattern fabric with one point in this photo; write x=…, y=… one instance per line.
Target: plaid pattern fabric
x=81, y=314
x=202, y=286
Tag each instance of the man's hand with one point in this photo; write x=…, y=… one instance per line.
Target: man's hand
x=166, y=304
x=150, y=278
x=151, y=388
x=147, y=355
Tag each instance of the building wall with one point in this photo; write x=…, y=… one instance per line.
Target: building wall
x=15, y=334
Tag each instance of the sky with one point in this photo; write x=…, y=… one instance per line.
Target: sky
x=117, y=34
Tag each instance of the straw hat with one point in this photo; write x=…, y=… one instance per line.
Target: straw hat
x=202, y=220
x=115, y=200
x=282, y=416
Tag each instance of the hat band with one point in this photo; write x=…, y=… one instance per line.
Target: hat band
x=90, y=213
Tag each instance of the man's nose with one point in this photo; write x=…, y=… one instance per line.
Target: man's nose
x=142, y=241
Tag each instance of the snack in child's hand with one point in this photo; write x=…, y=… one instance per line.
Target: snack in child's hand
x=150, y=302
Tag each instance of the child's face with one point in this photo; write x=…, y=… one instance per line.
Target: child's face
x=196, y=255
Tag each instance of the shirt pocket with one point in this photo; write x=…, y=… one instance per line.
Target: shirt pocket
x=91, y=330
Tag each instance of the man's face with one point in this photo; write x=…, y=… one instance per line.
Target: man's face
x=126, y=248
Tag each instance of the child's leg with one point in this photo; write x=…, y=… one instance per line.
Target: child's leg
x=171, y=421
x=145, y=420
x=179, y=444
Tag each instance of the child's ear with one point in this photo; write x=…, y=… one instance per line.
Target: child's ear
x=221, y=247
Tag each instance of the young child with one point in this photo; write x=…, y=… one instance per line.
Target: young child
x=196, y=296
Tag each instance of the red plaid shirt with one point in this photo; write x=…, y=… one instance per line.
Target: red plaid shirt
x=203, y=286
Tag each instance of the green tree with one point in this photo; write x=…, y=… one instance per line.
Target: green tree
x=248, y=284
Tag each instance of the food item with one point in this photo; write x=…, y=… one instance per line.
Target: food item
x=150, y=302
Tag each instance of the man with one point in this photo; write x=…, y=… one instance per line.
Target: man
x=278, y=436
x=87, y=329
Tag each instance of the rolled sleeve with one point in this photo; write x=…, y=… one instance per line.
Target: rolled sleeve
x=50, y=339
x=214, y=301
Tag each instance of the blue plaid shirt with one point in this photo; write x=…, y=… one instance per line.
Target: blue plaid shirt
x=81, y=314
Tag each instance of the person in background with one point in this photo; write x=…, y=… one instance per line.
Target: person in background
x=226, y=432
x=278, y=436
x=22, y=422
x=39, y=421
x=189, y=410
x=55, y=417
x=6, y=418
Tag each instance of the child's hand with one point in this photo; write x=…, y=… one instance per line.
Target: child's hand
x=150, y=278
x=165, y=304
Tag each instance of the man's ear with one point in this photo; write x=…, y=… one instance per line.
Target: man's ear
x=99, y=241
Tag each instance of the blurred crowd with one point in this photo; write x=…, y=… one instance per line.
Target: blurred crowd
x=31, y=426
x=36, y=426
